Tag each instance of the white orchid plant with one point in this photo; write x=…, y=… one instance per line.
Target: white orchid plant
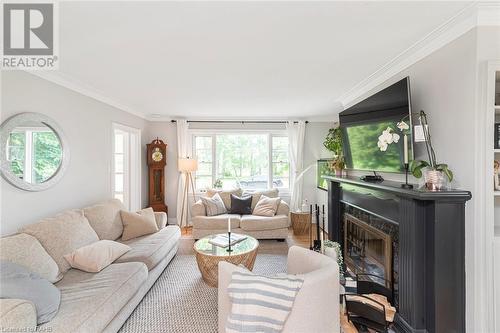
x=390, y=136
x=416, y=166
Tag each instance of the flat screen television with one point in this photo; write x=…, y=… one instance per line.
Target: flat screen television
x=363, y=123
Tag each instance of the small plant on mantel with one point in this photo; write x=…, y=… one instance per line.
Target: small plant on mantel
x=334, y=143
x=431, y=170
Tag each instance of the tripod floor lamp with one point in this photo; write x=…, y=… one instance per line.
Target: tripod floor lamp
x=187, y=166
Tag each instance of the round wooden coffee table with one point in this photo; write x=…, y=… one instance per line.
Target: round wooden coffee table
x=209, y=255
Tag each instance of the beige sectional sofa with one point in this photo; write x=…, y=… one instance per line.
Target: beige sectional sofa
x=260, y=227
x=90, y=302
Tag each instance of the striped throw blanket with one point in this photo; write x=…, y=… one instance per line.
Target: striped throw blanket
x=259, y=303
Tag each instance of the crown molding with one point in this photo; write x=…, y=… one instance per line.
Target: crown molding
x=84, y=89
x=473, y=15
x=156, y=117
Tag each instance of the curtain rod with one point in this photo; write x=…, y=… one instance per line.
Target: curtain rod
x=237, y=121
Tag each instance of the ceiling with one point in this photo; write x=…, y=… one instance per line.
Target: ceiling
x=236, y=60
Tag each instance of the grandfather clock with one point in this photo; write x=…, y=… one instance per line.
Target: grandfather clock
x=157, y=154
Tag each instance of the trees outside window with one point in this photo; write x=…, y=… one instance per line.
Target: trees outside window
x=35, y=154
x=249, y=161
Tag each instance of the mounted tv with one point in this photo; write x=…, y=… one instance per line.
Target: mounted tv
x=363, y=124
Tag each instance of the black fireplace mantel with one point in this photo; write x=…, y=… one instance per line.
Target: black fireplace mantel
x=431, y=247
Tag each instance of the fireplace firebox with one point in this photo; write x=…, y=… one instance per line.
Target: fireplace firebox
x=367, y=249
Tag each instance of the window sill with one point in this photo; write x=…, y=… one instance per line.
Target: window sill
x=282, y=193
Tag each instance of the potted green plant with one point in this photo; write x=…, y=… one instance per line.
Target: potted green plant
x=333, y=250
x=334, y=143
x=435, y=174
x=218, y=184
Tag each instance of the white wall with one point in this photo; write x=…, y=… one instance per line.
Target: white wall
x=87, y=126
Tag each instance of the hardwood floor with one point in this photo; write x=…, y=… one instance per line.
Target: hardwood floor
x=299, y=240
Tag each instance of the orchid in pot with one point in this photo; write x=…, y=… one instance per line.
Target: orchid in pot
x=334, y=143
x=435, y=174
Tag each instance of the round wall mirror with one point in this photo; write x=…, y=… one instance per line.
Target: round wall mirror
x=34, y=153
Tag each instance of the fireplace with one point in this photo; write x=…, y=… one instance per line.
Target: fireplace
x=414, y=239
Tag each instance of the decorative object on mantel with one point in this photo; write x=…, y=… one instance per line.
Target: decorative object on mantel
x=187, y=166
x=157, y=156
x=334, y=143
x=435, y=175
x=496, y=180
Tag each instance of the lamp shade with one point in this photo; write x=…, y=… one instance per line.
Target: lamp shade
x=188, y=164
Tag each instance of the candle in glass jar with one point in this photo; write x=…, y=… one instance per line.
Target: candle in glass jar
x=405, y=141
x=229, y=224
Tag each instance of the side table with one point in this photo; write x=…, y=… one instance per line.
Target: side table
x=301, y=222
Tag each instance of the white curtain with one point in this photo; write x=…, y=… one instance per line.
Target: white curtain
x=296, y=133
x=182, y=152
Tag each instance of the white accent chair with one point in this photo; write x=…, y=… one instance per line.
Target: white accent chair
x=316, y=307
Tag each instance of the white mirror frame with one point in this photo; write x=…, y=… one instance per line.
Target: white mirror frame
x=17, y=120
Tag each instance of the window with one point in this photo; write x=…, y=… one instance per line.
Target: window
x=246, y=160
x=281, y=163
x=126, y=177
x=34, y=153
x=203, y=151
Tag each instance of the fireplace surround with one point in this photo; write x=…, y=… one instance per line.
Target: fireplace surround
x=414, y=237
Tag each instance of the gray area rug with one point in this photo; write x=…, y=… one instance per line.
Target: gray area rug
x=180, y=302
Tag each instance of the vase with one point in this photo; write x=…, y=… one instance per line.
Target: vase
x=435, y=180
x=338, y=172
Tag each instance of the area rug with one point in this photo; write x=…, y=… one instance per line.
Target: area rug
x=181, y=302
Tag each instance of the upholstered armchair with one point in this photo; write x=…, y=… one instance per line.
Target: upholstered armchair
x=316, y=307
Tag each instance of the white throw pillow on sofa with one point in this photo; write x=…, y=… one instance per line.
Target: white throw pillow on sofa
x=266, y=206
x=62, y=234
x=214, y=205
x=26, y=250
x=95, y=257
x=138, y=224
x=271, y=193
x=225, y=195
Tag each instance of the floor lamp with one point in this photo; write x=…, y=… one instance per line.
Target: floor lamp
x=187, y=166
